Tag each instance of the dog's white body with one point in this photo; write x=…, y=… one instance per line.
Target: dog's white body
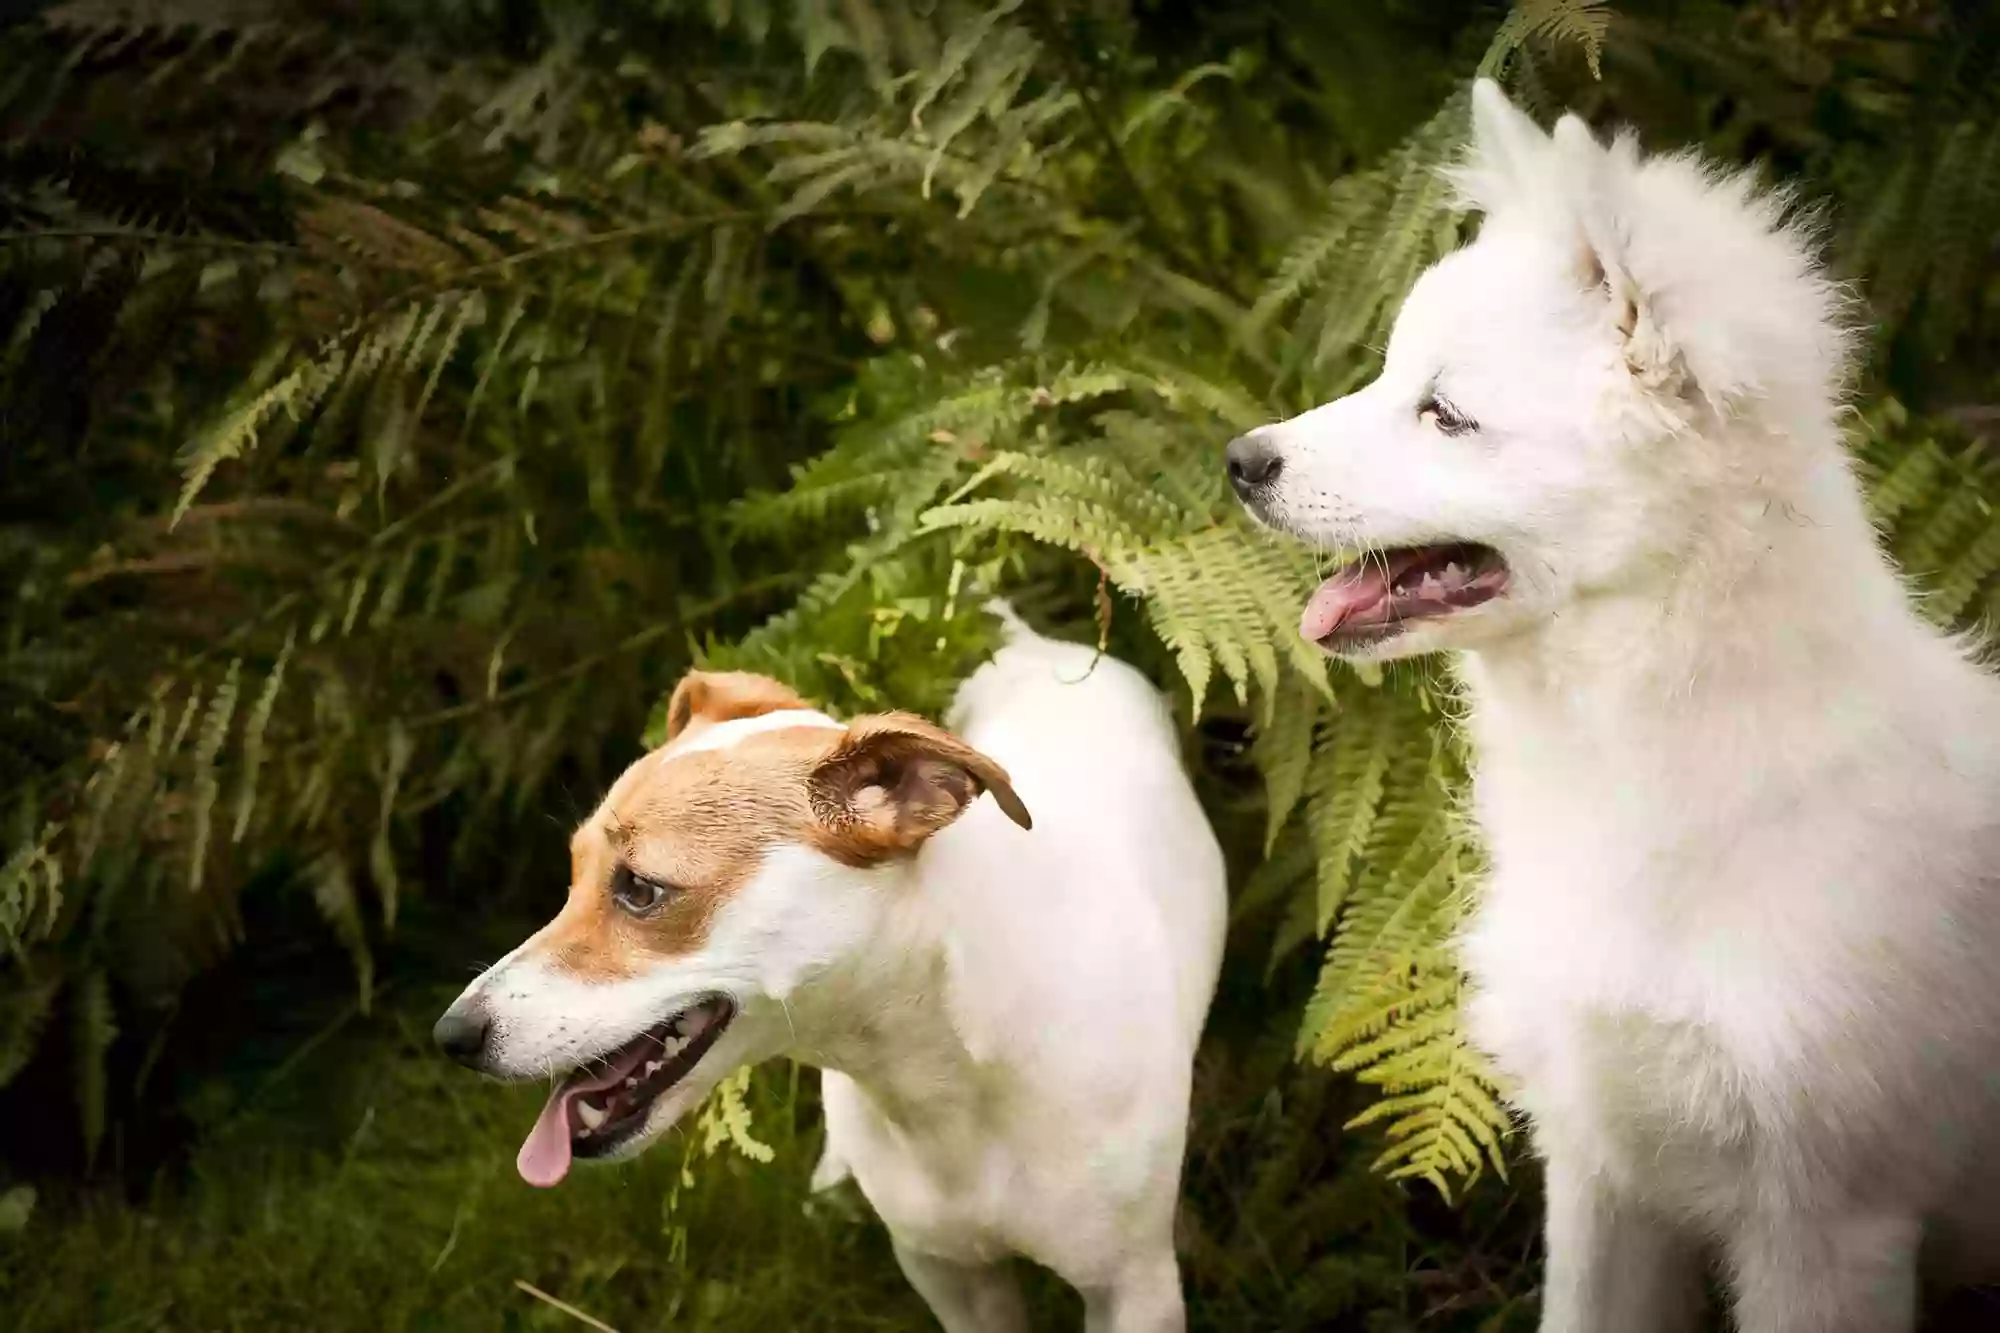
x=1030, y=1095
x=1739, y=954
x=1006, y=1018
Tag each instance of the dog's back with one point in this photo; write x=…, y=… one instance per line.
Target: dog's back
x=1092, y=747
x=1078, y=962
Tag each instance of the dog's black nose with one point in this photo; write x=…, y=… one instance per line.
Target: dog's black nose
x=461, y=1033
x=1254, y=463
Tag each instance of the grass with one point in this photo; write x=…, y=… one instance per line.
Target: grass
x=373, y=1187
x=363, y=1183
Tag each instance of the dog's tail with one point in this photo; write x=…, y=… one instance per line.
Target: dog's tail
x=1011, y=625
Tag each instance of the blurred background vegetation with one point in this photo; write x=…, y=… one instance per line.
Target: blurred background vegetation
x=395, y=398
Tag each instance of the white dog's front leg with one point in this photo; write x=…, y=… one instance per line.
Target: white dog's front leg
x=1146, y=1298
x=965, y=1298
x=1613, y=1266
x=1802, y=1272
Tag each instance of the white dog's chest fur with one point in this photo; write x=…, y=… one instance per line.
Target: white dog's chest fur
x=1720, y=990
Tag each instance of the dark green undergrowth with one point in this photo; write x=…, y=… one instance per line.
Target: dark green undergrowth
x=395, y=398
x=360, y=1182
x=378, y=1192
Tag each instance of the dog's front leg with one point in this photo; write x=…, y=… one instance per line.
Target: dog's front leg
x=1813, y=1272
x=966, y=1298
x=1145, y=1298
x=1613, y=1265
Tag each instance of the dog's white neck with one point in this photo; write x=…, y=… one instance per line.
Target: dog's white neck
x=1709, y=687
x=886, y=1018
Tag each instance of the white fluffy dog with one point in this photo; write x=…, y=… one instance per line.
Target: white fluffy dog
x=1740, y=950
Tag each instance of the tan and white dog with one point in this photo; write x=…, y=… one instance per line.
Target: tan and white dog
x=1007, y=1019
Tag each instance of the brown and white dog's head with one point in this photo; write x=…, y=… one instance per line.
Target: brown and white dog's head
x=752, y=853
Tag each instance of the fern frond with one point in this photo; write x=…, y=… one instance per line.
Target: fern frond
x=254, y=728
x=31, y=883
x=1581, y=22
x=332, y=885
x=207, y=785
x=725, y=1119
x=1283, y=751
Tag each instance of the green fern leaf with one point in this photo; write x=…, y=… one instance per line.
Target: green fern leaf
x=207, y=786
x=333, y=893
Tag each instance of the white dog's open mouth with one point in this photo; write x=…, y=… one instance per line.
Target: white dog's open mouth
x=1376, y=597
x=597, y=1108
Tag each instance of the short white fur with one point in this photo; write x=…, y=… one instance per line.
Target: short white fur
x=1006, y=1021
x=1739, y=953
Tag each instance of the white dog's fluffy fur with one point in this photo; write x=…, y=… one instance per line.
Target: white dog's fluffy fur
x=1739, y=954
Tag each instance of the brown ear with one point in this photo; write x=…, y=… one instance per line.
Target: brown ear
x=723, y=696
x=896, y=779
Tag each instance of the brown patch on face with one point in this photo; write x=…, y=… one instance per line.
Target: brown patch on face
x=704, y=698
x=702, y=822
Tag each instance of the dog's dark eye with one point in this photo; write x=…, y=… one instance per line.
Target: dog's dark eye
x=637, y=894
x=1440, y=413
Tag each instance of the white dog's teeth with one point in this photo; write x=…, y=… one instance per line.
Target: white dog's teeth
x=652, y=1067
x=591, y=1116
x=632, y=1081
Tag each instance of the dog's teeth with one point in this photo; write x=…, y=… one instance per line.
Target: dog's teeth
x=592, y=1116
x=632, y=1081
x=653, y=1067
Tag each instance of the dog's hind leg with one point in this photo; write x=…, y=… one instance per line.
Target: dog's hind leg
x=966, y=1298
x=1803, y=1272
x=1146, y=1298
x=1612, y=1263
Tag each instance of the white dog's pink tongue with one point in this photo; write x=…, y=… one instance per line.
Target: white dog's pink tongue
x=1349, y=594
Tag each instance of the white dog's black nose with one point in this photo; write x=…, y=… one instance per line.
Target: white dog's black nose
x=462, y=1032
x=1254, y=463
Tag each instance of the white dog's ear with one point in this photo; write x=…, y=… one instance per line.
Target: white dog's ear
x=1508, y=149
x=895, y=779
x=1593, y=179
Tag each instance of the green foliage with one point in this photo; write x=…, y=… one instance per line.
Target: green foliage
x=1195, y=348
x=514, y=365
x=367, y=1185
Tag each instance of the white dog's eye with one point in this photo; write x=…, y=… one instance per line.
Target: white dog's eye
x=635, y=893
x=1440, y=413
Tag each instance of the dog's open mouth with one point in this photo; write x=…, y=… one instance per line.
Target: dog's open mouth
x=1376, y=597
x=597, y=1108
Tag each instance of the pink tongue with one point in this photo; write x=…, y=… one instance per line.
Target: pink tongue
x=1345, y=596
x=544, y=1157
x=545, y=1154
